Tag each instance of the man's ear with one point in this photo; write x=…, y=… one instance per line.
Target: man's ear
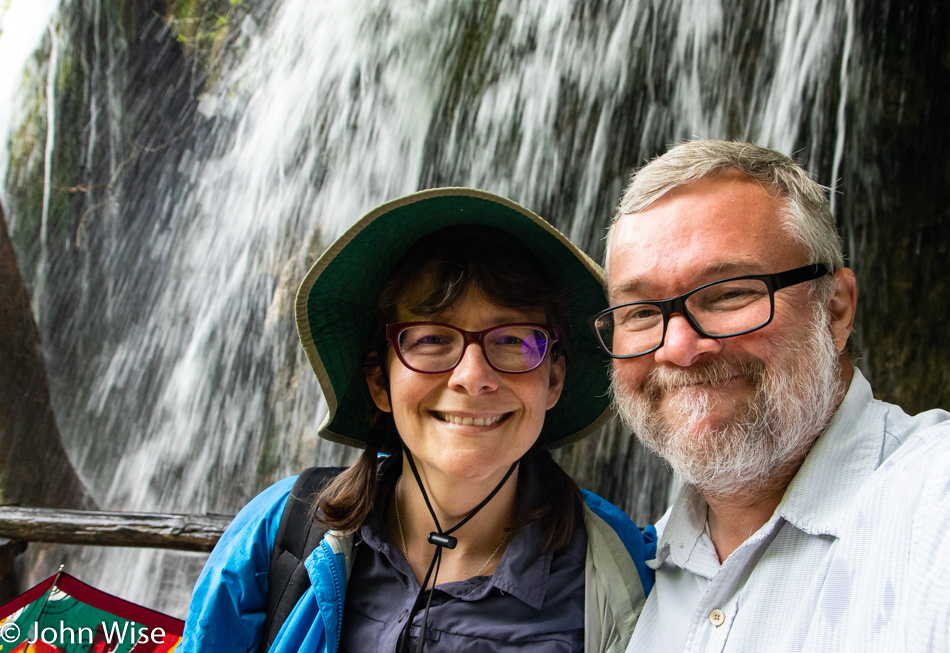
x=842, y=306
x=378, y=388
x=556, y=381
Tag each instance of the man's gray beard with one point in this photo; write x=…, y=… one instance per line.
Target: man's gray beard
x=795, y=398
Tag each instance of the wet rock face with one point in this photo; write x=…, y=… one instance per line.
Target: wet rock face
x=896, y=225
x=34, y=468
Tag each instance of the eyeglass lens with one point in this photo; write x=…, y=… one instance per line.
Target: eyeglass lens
x=721, y=309
x=439, y=348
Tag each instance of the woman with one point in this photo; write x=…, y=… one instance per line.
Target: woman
x=447, y=330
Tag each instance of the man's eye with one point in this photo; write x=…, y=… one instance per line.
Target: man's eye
x=636, y=316
x=734, y=297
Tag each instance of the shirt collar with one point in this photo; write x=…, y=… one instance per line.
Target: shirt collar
x=682, y=539
x=521, y=572
x=841, y=459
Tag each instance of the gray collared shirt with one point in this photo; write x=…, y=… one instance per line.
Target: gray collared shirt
x=855, y=558
x=533, y=602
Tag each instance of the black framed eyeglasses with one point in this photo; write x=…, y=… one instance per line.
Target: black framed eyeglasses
x=433, y=347
x=721, y=309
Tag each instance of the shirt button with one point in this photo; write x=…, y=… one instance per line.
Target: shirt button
x=717, y=618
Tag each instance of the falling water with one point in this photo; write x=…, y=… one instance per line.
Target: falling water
x=841, y=126
x=40, y=287
x=178, y=381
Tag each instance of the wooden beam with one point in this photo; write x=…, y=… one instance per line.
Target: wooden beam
x=100, y=528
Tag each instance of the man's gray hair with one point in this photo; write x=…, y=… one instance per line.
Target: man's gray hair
x=808, y=216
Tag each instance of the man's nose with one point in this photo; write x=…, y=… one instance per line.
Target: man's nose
x=473, y=374
x=683, y=345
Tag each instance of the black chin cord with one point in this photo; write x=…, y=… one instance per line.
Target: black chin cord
x=440, y=539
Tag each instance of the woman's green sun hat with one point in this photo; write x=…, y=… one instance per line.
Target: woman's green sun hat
x=336, y=300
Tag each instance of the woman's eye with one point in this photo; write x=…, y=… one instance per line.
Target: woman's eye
x=430, y=340
x=417, y=338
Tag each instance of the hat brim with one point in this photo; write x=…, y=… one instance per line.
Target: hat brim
x=336, y=299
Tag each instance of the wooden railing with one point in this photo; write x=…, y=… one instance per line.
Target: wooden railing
x=19, y=526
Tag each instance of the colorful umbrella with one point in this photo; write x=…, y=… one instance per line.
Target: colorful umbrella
x=63, y=614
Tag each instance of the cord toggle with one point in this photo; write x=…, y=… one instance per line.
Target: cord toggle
x=439, y=539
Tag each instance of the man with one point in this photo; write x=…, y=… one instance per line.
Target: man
x=813, y=516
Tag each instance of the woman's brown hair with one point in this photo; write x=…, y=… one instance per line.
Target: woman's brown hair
x=437, y=272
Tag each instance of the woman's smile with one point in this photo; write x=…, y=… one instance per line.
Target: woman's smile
x=467, y=420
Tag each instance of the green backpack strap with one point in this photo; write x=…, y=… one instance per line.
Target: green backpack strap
x=297, y=536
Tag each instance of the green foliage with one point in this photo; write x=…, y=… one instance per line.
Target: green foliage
x=204, y=29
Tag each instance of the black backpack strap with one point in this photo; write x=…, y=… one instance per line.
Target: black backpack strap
x=297, y=536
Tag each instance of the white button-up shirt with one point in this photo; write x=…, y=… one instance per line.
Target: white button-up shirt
x=855, y=558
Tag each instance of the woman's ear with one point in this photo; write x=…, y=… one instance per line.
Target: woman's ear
x=378, y=388
x=556, y=381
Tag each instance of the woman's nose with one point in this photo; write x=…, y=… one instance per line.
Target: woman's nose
x=473, y=374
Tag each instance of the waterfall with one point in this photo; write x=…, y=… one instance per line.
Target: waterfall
x=178, y=380
x=41, y=277
x=840, y=126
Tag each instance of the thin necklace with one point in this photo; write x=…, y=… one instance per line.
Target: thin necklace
x=497, y=547
x=402, y=533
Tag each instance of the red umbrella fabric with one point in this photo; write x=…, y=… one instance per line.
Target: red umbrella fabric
x=63, y=614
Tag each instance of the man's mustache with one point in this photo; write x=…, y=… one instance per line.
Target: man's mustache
x=663, y=380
